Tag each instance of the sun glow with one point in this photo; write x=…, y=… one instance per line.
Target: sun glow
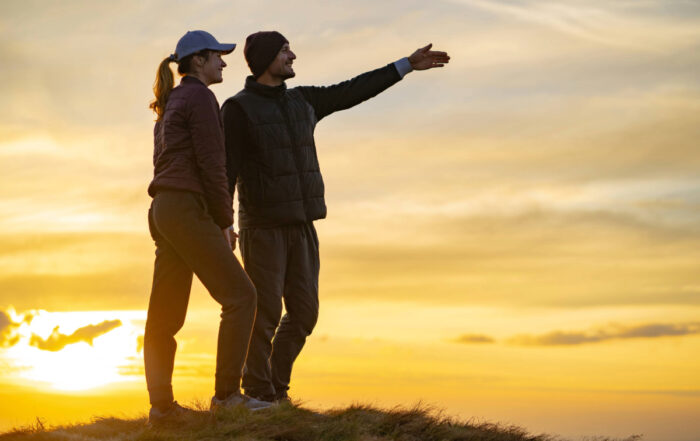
x=74, y=351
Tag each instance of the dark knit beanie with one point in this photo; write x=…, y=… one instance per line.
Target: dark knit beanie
x=261, y=48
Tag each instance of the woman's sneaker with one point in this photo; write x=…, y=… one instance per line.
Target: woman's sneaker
x=172, y=413
x=234, y=400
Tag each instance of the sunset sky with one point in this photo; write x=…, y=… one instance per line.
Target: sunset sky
x=512, y=238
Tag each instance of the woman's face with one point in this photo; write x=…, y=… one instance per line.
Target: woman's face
x=210, y=71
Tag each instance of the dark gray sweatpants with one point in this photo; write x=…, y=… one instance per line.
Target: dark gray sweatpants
x=283, y=263
x=187, y=240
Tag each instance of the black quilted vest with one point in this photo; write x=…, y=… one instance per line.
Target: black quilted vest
x=279, y=180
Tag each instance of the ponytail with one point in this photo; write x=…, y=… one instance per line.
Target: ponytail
x=162, y=87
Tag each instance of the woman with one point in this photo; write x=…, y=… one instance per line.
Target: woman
x=190, y=220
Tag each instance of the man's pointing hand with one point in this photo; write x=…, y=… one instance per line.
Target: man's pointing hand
x=424, y=58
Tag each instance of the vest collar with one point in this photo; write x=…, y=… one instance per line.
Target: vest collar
x=262, y=89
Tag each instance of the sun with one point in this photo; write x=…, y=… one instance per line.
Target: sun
x=80, y=361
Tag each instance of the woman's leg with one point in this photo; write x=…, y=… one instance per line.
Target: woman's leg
x=170, y=293
x=182, y=218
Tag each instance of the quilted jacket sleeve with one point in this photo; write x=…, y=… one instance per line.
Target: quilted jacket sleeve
x=328, y=99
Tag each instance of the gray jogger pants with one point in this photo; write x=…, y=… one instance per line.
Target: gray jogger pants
x=283, y=263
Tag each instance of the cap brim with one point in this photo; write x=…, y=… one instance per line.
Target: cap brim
x=225, y=48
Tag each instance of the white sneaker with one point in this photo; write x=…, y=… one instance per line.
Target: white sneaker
x=239, y=399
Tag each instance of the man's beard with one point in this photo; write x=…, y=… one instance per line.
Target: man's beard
x=288, y=76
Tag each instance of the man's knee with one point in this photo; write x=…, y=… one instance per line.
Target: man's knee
x=309, y=325
x=305, y=320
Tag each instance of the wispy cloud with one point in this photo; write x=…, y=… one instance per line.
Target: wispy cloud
x=57, y=341
x=570, y=20
x=610, y=24
x=572, y=338
x=473, y=338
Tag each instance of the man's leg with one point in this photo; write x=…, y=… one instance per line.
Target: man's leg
x=264, y=252
x=301, y=303
x=182, y=218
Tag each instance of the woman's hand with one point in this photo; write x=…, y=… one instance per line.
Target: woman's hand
x=231, y=237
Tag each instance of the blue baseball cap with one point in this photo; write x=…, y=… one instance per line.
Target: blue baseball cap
x=195, y=41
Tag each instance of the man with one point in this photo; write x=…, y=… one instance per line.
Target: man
x=271, y=156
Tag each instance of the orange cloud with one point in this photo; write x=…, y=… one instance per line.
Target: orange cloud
x=57, y=341
x=8, y=328
x=8, y=334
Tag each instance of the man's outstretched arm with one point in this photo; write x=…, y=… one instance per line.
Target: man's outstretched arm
x=328, y=99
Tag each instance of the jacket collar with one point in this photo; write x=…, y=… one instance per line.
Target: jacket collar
x=261, y=89
x=189, y=79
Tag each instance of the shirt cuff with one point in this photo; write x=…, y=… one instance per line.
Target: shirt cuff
x=403, y=66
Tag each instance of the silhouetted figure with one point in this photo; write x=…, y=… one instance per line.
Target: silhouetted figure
x=190, y=220
x=271, y=158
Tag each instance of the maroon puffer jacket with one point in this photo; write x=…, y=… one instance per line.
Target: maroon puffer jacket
x=189, y=152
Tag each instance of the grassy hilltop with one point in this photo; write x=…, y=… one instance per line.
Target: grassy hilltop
x=288, y=423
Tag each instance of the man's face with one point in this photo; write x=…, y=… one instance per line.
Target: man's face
x=212, y=68
x=281, y=66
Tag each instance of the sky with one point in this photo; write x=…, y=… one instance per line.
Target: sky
x=513, y=238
